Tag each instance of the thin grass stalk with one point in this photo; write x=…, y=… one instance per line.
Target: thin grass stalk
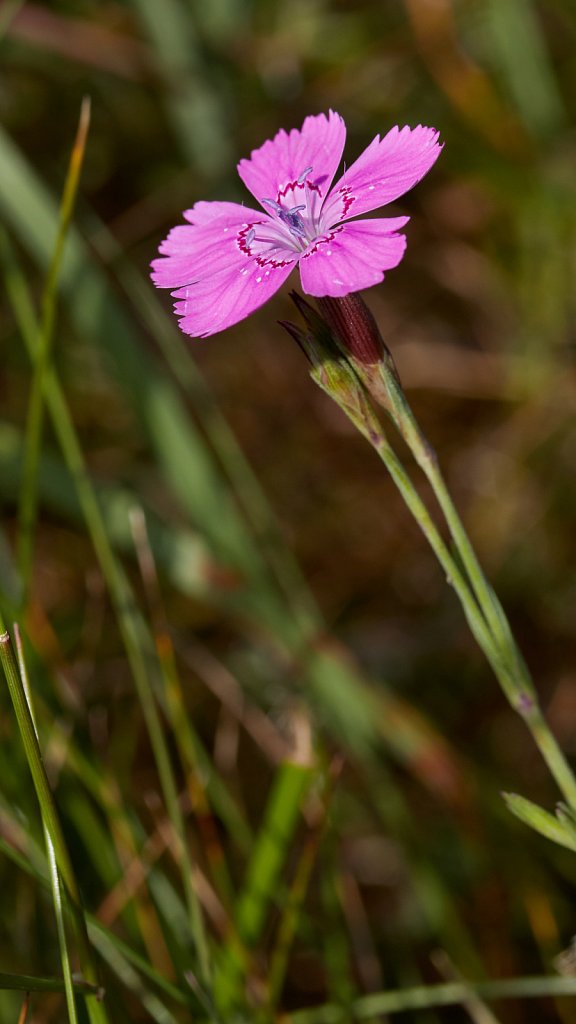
x=180, y=722
x=126, y=973
x=95, y=1007
x=114, y=950
x=144, y=924
x=109, y=945
x=476, y=1007
x=422, y=997
x=263, y=875
x=291, y=911
x=335, y=943
x=34, y=983
x=130, y=624
x=51, y=855
x=34, y=424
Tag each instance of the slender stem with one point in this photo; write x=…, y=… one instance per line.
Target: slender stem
x=351, y=363
x=509, y=665
x=550, y=749
x=454, y=576
x=428, y=462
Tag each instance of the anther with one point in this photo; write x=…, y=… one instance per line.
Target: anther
x=271, y=202
x=293, y=221
x=250, y=237
x=304, y=175
x=291, y=218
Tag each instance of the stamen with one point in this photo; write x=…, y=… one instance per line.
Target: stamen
x=291, y=218
x=304, y=175
x=271, y=202
x=293, y=221
x=250, y=237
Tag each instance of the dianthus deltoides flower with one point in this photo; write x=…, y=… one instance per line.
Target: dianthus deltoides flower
x=230, y=259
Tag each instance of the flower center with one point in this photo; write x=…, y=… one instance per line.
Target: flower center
x=291, y=218
x=302, y=226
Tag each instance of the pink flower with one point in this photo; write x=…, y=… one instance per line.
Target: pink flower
x=230, y=259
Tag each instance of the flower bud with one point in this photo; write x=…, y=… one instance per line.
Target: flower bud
x=354, y=327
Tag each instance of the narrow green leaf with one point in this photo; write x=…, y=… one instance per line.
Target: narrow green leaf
x=262, y=879
x=540, y=820
x=95, y=1007
x=57, y=894
x=137, y=645
x=32, y=983
x=35, y=417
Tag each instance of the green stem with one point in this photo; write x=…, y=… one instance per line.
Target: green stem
x=351, y=363
x=427, y=459
x=509, y=665
x=454, y=576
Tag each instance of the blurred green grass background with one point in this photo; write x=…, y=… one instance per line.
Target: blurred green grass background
x=293, y=590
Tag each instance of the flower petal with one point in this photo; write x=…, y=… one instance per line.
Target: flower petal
x=210, y=244
x=387, y=169
x=353, y=256
x=221, y=272
x=219, y=301
x=282, y=160
x=206, y=211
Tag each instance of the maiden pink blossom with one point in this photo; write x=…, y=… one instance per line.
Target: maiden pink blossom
x=230, y=259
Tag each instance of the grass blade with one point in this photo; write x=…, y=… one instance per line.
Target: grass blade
x=263, y=875
x=449, y=994
x=95, y=1007
x=29, y=493
x=32, y=983
x=134, y=636
x=51, y=855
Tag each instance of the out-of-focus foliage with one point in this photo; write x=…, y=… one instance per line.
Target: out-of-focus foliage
x=293, y=592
